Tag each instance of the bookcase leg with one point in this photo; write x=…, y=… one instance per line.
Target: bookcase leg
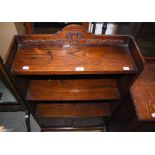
x=27, y=121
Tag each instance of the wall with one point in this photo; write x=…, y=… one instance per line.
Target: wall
x=131, y=28
x=7, y=30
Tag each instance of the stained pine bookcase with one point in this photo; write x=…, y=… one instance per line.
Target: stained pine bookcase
x=73, y=80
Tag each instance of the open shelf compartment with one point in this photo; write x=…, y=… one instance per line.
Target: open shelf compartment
x=73, y=89
x=70, y=59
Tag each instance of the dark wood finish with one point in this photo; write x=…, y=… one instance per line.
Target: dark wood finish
x=88, y=91
x=58, y=54
x=122, y=116
x=71, y=122
x=19, y=82
x=73, y=89
x=86, y=25
x=125, y=119
x=136, y=55
x=127, y=80
x=61, y=60
x=28, y=27
x=74, y=129
x=138, y=106
x=72, y=110
x=143, y=92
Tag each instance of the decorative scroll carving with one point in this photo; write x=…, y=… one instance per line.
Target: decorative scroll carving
x=72, y=39
x=104, y=42
x=74, y=35
x=43, y=41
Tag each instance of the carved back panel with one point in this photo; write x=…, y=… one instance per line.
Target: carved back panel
x=74, y=35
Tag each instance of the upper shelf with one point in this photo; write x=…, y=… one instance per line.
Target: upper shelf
x=74, y=51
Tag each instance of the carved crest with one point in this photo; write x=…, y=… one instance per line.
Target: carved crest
x=74, y=35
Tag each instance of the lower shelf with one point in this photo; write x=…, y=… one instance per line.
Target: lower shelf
x=70, y=122
x=71, y=116
x=72, y=110
x=73, y=89
x=74, y=129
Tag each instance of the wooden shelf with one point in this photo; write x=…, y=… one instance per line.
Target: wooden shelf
x=72, y=110
x=100, y=128
x=73, y=89
x=67, y=59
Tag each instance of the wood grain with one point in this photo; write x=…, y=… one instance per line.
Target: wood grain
x=72, y=110
x=57, y=56
x=73, y=47
x=72, y=89
x=65, y=59
x=143, y=93
x=73, y=129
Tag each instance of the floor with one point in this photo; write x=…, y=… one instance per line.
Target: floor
x=15, y=122
x=6, y=94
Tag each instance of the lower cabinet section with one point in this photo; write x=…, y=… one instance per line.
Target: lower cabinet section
x=71, y=116
x=71, y=122
x=72, y=109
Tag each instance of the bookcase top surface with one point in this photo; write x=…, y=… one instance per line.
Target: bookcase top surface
x=72, y=51
x=72, y=59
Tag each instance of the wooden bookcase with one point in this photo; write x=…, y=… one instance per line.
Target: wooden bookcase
x=73, y=80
